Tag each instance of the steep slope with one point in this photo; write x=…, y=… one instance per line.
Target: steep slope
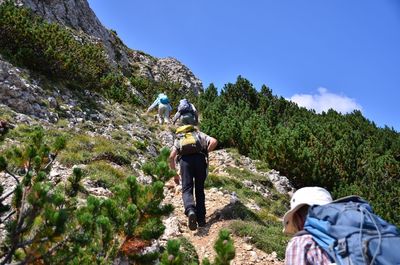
x=120, y=138
x=77, y=15
x=110, y=141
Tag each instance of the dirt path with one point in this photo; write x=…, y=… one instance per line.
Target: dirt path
x=217, y=202
x=203, y=239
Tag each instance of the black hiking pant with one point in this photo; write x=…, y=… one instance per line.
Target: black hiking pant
x=194, y=172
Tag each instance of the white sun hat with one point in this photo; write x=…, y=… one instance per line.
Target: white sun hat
x=304, y=196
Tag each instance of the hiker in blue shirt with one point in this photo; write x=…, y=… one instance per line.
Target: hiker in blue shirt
x=164, y=108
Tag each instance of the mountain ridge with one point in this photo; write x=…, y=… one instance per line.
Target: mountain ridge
x=78, y=16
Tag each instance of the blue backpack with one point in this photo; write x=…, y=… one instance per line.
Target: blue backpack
x=164, y=99
x=351, y=233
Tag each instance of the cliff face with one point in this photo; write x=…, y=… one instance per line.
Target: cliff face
x=78, y=15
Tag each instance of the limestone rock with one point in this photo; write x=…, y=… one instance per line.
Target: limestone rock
x=20, y=94
x=222, y=159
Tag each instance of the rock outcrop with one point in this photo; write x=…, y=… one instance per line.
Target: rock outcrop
x=221, y=160
x=78, y=15
x=22, y=95
x=166, y=69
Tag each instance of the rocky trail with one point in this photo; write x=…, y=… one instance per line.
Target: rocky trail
x=203, y=239
x=219, y=205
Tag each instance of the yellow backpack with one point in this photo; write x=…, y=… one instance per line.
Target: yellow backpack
x=189, y=140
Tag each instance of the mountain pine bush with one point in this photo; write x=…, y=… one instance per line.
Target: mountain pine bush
x=49, y=48
x=54, y=222
x=223, y=247
x=59, y=53
x=346, y=154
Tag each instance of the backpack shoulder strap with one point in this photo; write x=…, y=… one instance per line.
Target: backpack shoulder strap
x=301, y=233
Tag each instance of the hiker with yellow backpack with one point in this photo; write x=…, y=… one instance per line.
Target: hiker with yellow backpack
x=190, y=150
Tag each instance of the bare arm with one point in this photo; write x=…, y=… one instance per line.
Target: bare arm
x=153, y=105
x=171, y=160
x=176, y=117
x=172, y=157
x=212, y=144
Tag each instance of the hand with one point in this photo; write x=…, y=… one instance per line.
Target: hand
x=176, y=179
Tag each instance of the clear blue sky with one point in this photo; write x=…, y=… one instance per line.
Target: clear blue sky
x=332, y=53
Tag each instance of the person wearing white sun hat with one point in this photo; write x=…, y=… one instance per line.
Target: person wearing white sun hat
x=302, y=249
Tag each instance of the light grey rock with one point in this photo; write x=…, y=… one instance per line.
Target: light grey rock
x=234, y=198
x=166, y=68
x=253, y=206
x=19, y=94
x=93, y=188
x=222, y=159
x=248, y=247
x=281, y=183
x=154, y=247
x=179, y=73
x=52, y=102
x=59, y=172
x=172, y=229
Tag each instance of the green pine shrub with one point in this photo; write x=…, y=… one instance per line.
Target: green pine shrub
x=49, y=48
x=59, y=53
x=52, y=222
x=189, y=254
x=224, y=248
x=116, y=88
x=158, y=168
x=347, y=154
x=172, y=255
x=179, y=251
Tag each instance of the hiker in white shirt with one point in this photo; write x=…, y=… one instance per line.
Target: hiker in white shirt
x=164, y=108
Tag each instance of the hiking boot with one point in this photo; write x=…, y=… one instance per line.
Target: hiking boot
x=201, y=223
x=192, y=220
